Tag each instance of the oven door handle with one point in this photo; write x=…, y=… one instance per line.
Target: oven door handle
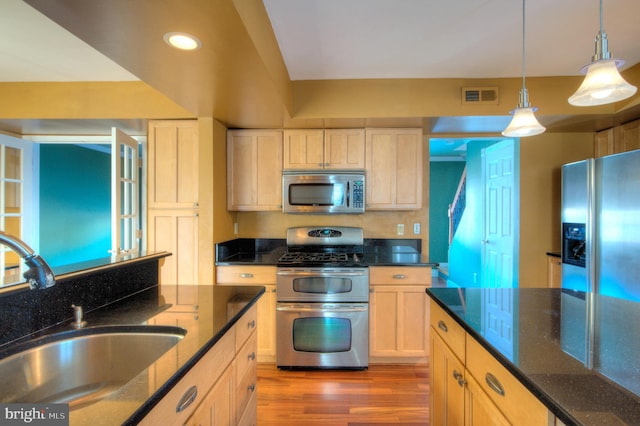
x=339, y=274
x=329, y=307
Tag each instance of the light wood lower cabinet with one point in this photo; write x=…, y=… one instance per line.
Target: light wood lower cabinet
x=470, y=387
x=554, y=271
x=220, y=387
x=398, y=314
x=257, y=276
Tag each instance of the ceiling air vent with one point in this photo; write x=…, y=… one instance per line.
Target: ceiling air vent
x=480, y=95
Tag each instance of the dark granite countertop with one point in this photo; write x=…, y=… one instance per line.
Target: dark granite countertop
x=267, y=251
x=546, y=351
x=219, y=307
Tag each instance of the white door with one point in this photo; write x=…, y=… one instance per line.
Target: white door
x=499, y=258
x=499, y=253
x=125, y=210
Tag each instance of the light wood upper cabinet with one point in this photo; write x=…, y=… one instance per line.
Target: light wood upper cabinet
x=254, y=170
x=173, y=164
x=344, y=149
x=615, y=140
x=394, y=169
x=303, y=149
x=311, y=149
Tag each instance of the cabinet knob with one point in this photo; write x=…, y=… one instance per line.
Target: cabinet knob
x=252, y=356
x=443, y=326
x=251, y=324
x=187, y=399
x=459, y=378
x=251, y=387
x=246, y=275
x=494, y=383
x=399, y=276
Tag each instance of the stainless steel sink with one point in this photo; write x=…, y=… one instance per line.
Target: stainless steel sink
x=81, y=367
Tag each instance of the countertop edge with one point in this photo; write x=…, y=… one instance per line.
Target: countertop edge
x=542, y=396
x=157, y=396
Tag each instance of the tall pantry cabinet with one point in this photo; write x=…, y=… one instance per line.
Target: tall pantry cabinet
x=175, y=184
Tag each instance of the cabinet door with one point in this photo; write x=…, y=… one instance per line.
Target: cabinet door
x=393, y=160
x=447, y=385
x=176, y=231
x=554, y=272
x=303, y=149
x=267, y=330
x=173, y=164
x=628, y=137
x=479, y=409
x=603, y=143
x=398, y=323
x=344, y=149
x=217, y=406
x=254, y=170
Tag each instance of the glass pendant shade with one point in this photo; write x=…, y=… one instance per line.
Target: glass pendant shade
x=603, y=84
x=524, y=123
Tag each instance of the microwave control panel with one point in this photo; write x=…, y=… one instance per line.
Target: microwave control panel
x=358, y=193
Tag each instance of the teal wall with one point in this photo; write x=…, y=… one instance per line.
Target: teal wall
x=444, y=177
x=75, y=204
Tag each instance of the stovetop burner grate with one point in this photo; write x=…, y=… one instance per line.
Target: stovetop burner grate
x=314, y=257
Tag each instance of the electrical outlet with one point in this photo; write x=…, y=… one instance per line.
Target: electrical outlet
x=401, y=229
x=416, y=229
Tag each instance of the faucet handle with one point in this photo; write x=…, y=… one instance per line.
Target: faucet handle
x=77, y=316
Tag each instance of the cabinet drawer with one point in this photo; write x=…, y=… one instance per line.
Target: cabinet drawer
x=245, y=389
x=510, y=396
x=399, y=275
x=247, y=357
x=451, y=332
x=245, y=326
x=250, y=275
x=202, y=376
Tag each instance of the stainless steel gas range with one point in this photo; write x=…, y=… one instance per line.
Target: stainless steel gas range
x=322, y=289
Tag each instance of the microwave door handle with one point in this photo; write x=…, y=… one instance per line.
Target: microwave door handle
x=348, y=193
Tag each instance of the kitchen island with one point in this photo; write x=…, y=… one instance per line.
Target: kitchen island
x=214, y=323
x=536, y=336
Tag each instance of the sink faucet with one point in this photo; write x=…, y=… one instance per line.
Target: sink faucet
x=39, y=275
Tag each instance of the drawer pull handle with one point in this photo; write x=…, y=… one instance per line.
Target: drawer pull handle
x=442, y=326
x=399, y=276
x=251, y=324
x=251, y=387
x=494, y=384
x=252, y=356
x=459, y=378
x=246, y=275
x=188, y=398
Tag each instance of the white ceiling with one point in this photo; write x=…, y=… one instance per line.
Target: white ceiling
x=338, y=39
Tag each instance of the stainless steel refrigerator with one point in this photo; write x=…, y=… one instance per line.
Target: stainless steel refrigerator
x=601, y=225
x=600, y=249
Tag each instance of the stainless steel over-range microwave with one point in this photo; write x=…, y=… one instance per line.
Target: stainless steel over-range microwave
x=323, y=192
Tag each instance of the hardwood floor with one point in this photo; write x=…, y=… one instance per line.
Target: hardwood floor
x=383, y=394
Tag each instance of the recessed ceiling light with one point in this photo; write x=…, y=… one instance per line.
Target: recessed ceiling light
x=182, y=41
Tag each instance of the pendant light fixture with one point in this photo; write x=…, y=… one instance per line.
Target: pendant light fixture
x=603, y=83
x=524, y=122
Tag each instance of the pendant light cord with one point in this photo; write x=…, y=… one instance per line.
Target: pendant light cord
x=601, y=19
x=523, y=47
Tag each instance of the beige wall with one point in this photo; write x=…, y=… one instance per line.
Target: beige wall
x=540, y=160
